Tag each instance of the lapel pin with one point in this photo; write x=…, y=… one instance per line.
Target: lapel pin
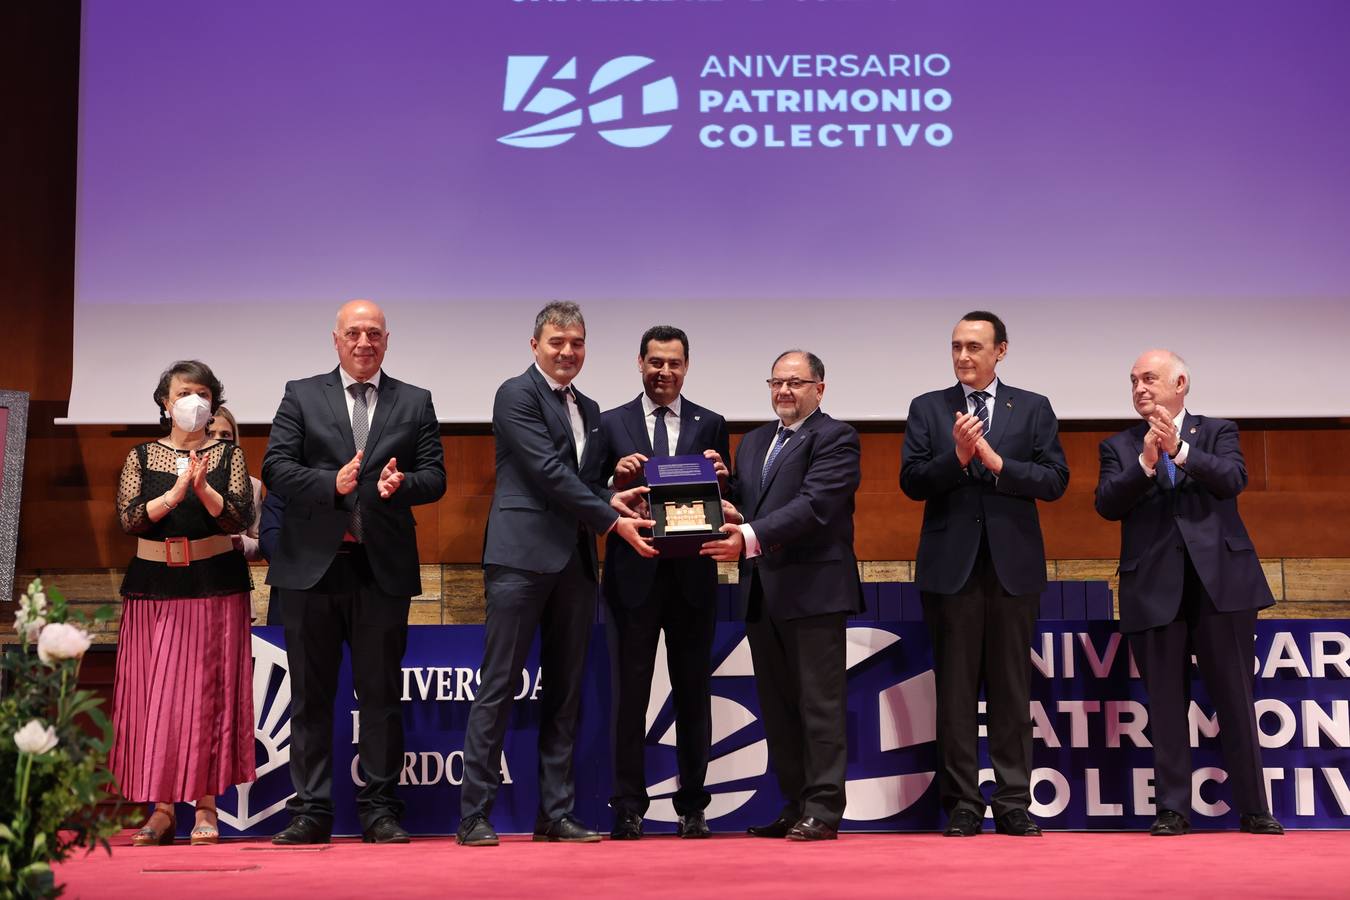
x=696, y=418
x=1194, y=429
x=1009, y=404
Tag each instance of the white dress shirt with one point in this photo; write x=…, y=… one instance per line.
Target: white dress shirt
x=573, y=412
x=372, y=397
x=649, y=407
x=992, y=391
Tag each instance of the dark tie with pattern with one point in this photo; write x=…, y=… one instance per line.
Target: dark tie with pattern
x=1168, y=466
x=779, y=440
x=660, y=437
x=981, y=412
x=360, y=430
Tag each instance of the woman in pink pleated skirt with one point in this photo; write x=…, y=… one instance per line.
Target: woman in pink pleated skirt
x=183, y=693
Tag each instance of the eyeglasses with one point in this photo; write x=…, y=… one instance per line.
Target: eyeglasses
x=792, y=384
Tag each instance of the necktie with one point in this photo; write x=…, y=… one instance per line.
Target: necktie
x=563, y=393
x=981, y=409
x=661, y=437
x=360, y=430
x=1168, y=466
x=779, y=440
x=981, y=412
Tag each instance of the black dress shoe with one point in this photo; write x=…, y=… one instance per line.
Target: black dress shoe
x=809, y=828
x=1169, y=823
x=386, y=830
x=627, y=827
x=567, y=830
x=476, y=831
x=1261, y=823
x=304, y=830
x=778, y=828
x=694, y=825
x=1017, y=823
x=963, y=823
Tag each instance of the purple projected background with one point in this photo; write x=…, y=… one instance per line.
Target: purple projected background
x=1115, y=178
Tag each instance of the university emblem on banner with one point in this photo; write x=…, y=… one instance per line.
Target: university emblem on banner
x=907, y=718
x=247, y=805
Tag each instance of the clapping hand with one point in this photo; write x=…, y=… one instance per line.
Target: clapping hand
x=967, y=432
x=390, y=479
x=347, y=475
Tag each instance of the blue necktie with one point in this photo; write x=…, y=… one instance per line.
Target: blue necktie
x=1169, y=467
x=779, y=440
x=981, y=409
x=660, y=437
x=981, y=412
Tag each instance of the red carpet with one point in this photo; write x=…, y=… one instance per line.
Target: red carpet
x=1060, y=865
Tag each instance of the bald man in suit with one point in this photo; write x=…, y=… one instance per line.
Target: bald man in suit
x=1190, y=581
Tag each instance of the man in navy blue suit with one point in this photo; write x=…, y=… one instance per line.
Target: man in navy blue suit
x=980, y=454
x=647, y=596
x=793, y=489
x=550, y=502
x=1189, y=581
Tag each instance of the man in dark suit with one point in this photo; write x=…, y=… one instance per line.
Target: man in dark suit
x=793, y=489
x=352, y=451
x=980, y=454
x=539, y=565
x=1189, y=581
x=648, y=596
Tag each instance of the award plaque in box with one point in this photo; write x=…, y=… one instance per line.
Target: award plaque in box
x=686, y=504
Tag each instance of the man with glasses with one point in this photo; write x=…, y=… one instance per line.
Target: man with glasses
x=793, y=489
x=980, y=454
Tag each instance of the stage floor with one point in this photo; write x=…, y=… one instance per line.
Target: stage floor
x=1059, y=865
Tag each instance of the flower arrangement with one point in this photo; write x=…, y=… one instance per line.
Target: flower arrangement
x=54, y=743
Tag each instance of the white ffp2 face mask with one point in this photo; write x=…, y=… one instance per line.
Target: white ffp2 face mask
x=191, y=413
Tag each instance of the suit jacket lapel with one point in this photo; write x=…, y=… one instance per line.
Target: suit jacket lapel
x=635, y=423
x=689, y=425
x=387, y=397
x=1006, y=412
x=795, y=440
x=555, y=407
x=337, y=404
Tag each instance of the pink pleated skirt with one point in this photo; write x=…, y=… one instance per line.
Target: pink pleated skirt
x=183, y=698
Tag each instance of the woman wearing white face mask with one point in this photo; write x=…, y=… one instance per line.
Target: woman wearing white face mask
x=183, y=702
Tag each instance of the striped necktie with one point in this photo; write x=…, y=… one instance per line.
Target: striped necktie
x=360, y=392
x=779, y=441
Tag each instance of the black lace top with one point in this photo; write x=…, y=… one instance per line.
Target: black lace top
x=149, y=472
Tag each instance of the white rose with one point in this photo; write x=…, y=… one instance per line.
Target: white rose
x=33, y=738
x=61, y=641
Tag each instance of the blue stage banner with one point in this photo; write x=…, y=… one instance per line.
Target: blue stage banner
x=1093, y=763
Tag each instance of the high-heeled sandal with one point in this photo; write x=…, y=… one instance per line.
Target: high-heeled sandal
x=153, y=837
x=204, y=833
